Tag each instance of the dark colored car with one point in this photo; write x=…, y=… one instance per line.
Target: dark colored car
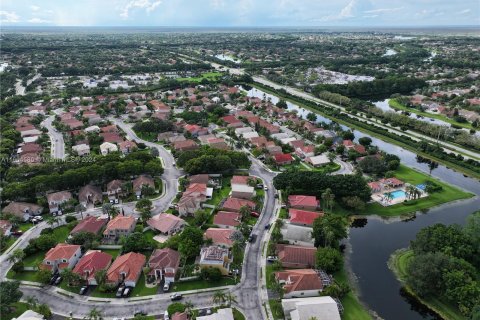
x=53, y=279
x=83, y=290
x=251, y=238
x=58, y=281
x=267, y=226
x=176, y=296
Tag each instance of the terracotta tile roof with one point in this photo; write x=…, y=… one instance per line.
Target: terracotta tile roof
x=61, y=251
x=199, y=178
x=164, y=258
x=89, y=224
x=296, y=255
x=283, y=157
x=302, y=201
x=112, y=137
x=220, y=236
x=299, y=280
x=185, y=145
x=303, y=216
x=227, y=218
x=110, y=128
x=91, y=262
x=241, y=180
x=119, y=223
x=165, y=222
x=180, y=316
x=130, y=264
x=231, y=119
x=234, y=204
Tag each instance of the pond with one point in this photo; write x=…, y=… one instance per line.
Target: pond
x=372, y=242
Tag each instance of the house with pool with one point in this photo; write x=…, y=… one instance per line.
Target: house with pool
x=390, y=191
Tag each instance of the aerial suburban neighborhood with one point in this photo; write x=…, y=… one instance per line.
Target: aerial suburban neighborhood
x=318, y=168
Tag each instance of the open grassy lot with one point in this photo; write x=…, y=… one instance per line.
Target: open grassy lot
x=23, y=276
x=398, y=106
x=201, y=284
x=17, y=309
x=406, y=174
x=207, y=75
x=398, y=263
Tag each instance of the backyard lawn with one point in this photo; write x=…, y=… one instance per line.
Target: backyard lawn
x=60, y=234
x=207, y=75
x=17, y=309
x=353, y=309
x=201, y=284
x=23, y=276
x=414, y=177
x=220, y=194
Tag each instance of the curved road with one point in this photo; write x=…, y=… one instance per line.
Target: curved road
x=57, y=145
x=250, y=293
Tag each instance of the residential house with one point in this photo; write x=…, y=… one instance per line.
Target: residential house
x=311, y=308
x=81, y=149
x=293, y=257
x=30, y=315
x=126, y=269
x=163, y=264
x=195, y=130
x=302, y=217
x=226, y=220
x=199, y=178
x=299, y=283
x=107, y=147
x=234, y=204
x=140, y=182
x=90, y=194
x=127, y=146
x=5, y=227
x=242, y=191
x=297, y=235
x=220, y=314
x=318, y=161
x=215, y=257
x=166, y=224
x=56, y=199
x=180, y=316
x=61, y=256
x=22, y=210
x=220, y=237
x=185, y=145
x=305, y=151
x=112, y=137
x=303, y=202
x=115, y=189
x=117, y=227
x=194, y=195
x=91, y=262
x=89, y=224
x=283, y=159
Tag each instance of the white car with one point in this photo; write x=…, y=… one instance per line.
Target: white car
x=272, y=259
x=166, y=315
x=265, y=188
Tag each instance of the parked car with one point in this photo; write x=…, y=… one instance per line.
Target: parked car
x=126, y=292
x=272, y=258
x=166, y=287
x=16, y=233
x=176, y=296
x=58, y=281
x=267, y=226
x=53, y=279
x=265, y=188
x=255, y=214
x=117, y=201
x=83, y=290
x=251, y=238
x=275, y=195
x=140, y=313
x=259, y=186
x=166, y=316
x=119, y=292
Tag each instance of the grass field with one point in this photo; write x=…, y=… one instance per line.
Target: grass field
x=223, y=193
x=207, y=75
x=398, y=106
x=406, y=174
x=17, y=309
x=398, y=263
x=23, y=276
x=353, y=309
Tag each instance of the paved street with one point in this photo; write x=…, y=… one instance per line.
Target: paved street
x=56, y=138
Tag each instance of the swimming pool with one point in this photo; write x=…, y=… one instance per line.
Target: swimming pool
x=421, y=186
x=397, y=194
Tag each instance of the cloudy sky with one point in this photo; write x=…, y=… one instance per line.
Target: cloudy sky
x=218, y=13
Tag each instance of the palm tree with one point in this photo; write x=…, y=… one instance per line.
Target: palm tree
x=188, y=307
x=32, y=302
x=230, y=297
x=79, y=208
x=94, y=314
x=410, y=190
x=388, y=196
x=328, y=197
x=219, y=297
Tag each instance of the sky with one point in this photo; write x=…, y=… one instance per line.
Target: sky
x=239, y=13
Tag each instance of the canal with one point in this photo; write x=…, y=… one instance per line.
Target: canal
x=373, y=241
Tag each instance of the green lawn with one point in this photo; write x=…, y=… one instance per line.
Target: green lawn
x=409, y=175
x=353, y=309
x=17, y=309
x=219, y=194
x=398, y=106
x=23, y=276
x=201, y=284
x=60, y=234
x=8, y=243
x=113, y=252
x=149, y=234
x=276, y=308
x=237, y=315
x=25, y=226
x=141, y=290
x=398, y=263
x=283, y=213
x=207, y=75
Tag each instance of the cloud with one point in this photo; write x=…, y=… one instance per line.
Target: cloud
x=9, y=17
x=353, y=9
x=148, y=5
x=383, y=10
x=466, y=11
x=34, y=8
x=38, y=20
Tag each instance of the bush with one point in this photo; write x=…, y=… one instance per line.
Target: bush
x=69, y=219
x=46, y=231
x=176, y=307
x=18, y=267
